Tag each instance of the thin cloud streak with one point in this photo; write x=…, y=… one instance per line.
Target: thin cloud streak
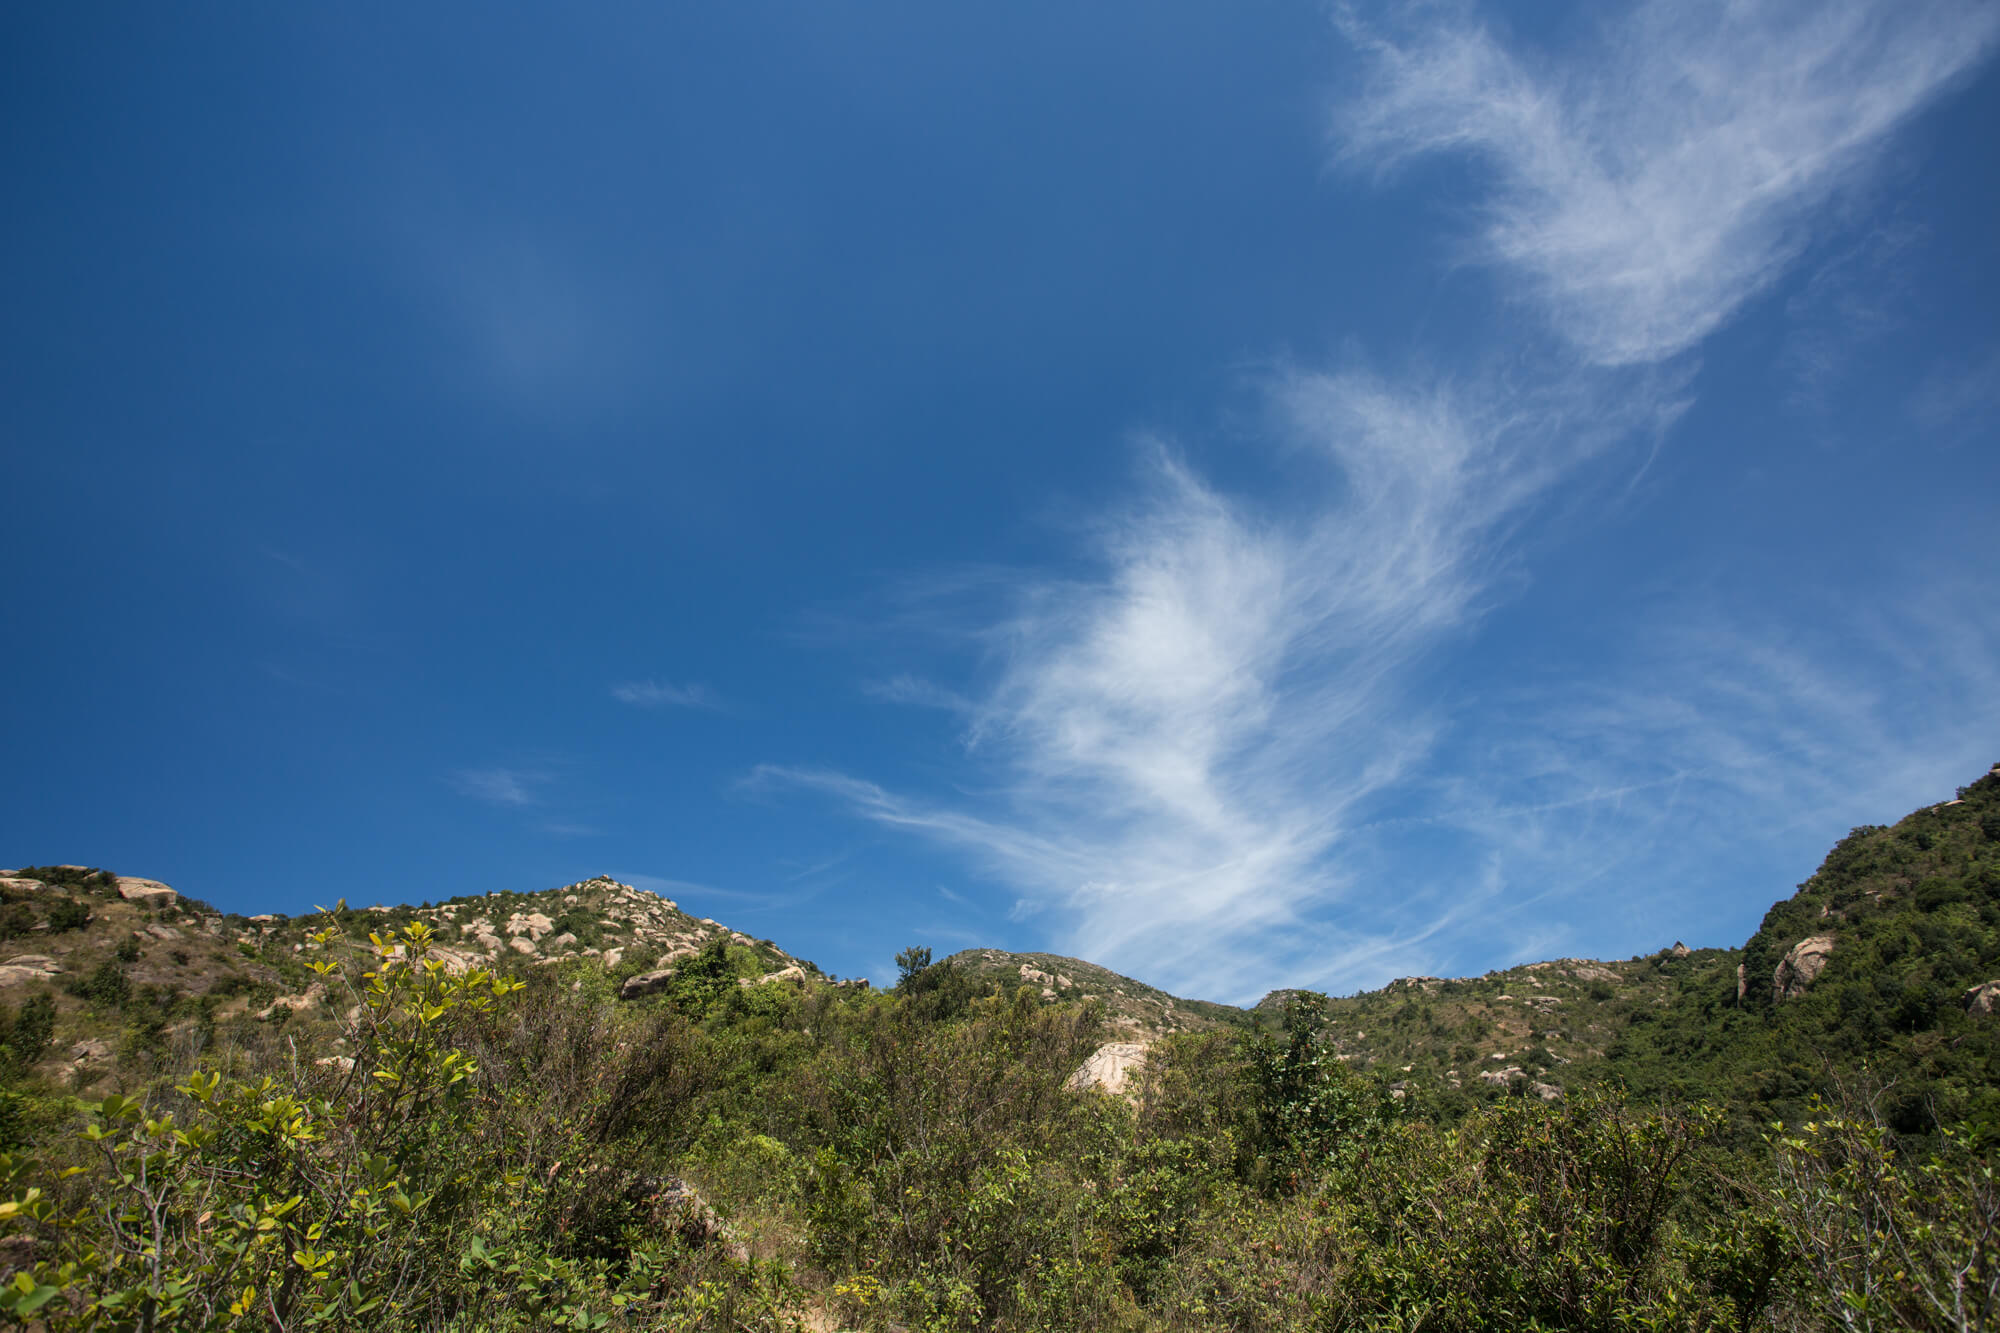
x=1177, y=743
x=498, y=786
x=1640, y=200
x=1186, y=758
x=1749, y=745
x=665, y=694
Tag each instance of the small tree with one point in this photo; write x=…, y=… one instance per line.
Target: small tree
x=911, y=964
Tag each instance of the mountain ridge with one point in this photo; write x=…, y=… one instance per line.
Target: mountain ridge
x=1933, y=877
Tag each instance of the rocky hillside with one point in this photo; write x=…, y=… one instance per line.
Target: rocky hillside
x=1887, y=959
x=93, y=963
x=1134, y=1010
x=1525, y=1025
x=1881, y=973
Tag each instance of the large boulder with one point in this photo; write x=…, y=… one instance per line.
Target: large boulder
x=28, y=967
x=1981, y=999
x=1111, y=1067
x=146, y=892
x=1806, y=960
x=646, y=983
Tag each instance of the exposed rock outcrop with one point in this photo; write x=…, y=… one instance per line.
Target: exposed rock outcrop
x=313, y=995
x=646, y=983
x=146, y=892
x=1806, y=960
x=794, y=973
x=1111, y=1067
x=1982, y=999
x=28, y=967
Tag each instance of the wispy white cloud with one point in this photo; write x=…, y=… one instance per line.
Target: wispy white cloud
x=500, y=786
x=1175, y=743
x=1193, y=760
x=665, y=694
x=905, y=688
x=1693, y=781
x=1641, y=193
x=1852, y=300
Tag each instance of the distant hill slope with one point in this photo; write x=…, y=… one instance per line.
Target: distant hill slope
x=105, y=948
x=1882, y=971
x=1134, y=1009
x=1880, y=974
x=1524, y=1024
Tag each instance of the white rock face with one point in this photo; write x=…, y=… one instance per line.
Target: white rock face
x=313, y=995
x=794, y=973
x=532, y=924
x=146, y=892
x=1806, y=961
x=23, y=968
x=1111, y=1067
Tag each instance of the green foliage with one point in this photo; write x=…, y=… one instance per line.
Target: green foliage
x=911, y=964
x=471, y=1150
x=25, y=1036
x=1894, y=1244
x=1914, y=912
x=106, y=987
x=80, y=879
x=396, y=1188
x=1310, y=1109
x=67, y=914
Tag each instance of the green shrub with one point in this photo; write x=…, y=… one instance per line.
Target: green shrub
x=106, y=987
x=67, y=914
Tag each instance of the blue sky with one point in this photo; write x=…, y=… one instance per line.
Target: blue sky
x=1251, y=495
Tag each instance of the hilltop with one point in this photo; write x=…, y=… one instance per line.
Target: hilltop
x=1134, y=1010
x=90, y=949
x=1882, y=970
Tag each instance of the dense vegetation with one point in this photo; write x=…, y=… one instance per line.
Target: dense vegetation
x=436, y=1146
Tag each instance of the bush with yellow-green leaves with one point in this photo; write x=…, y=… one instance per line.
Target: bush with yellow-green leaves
x=390, y=1188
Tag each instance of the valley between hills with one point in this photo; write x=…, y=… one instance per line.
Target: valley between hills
x=597, y=1110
